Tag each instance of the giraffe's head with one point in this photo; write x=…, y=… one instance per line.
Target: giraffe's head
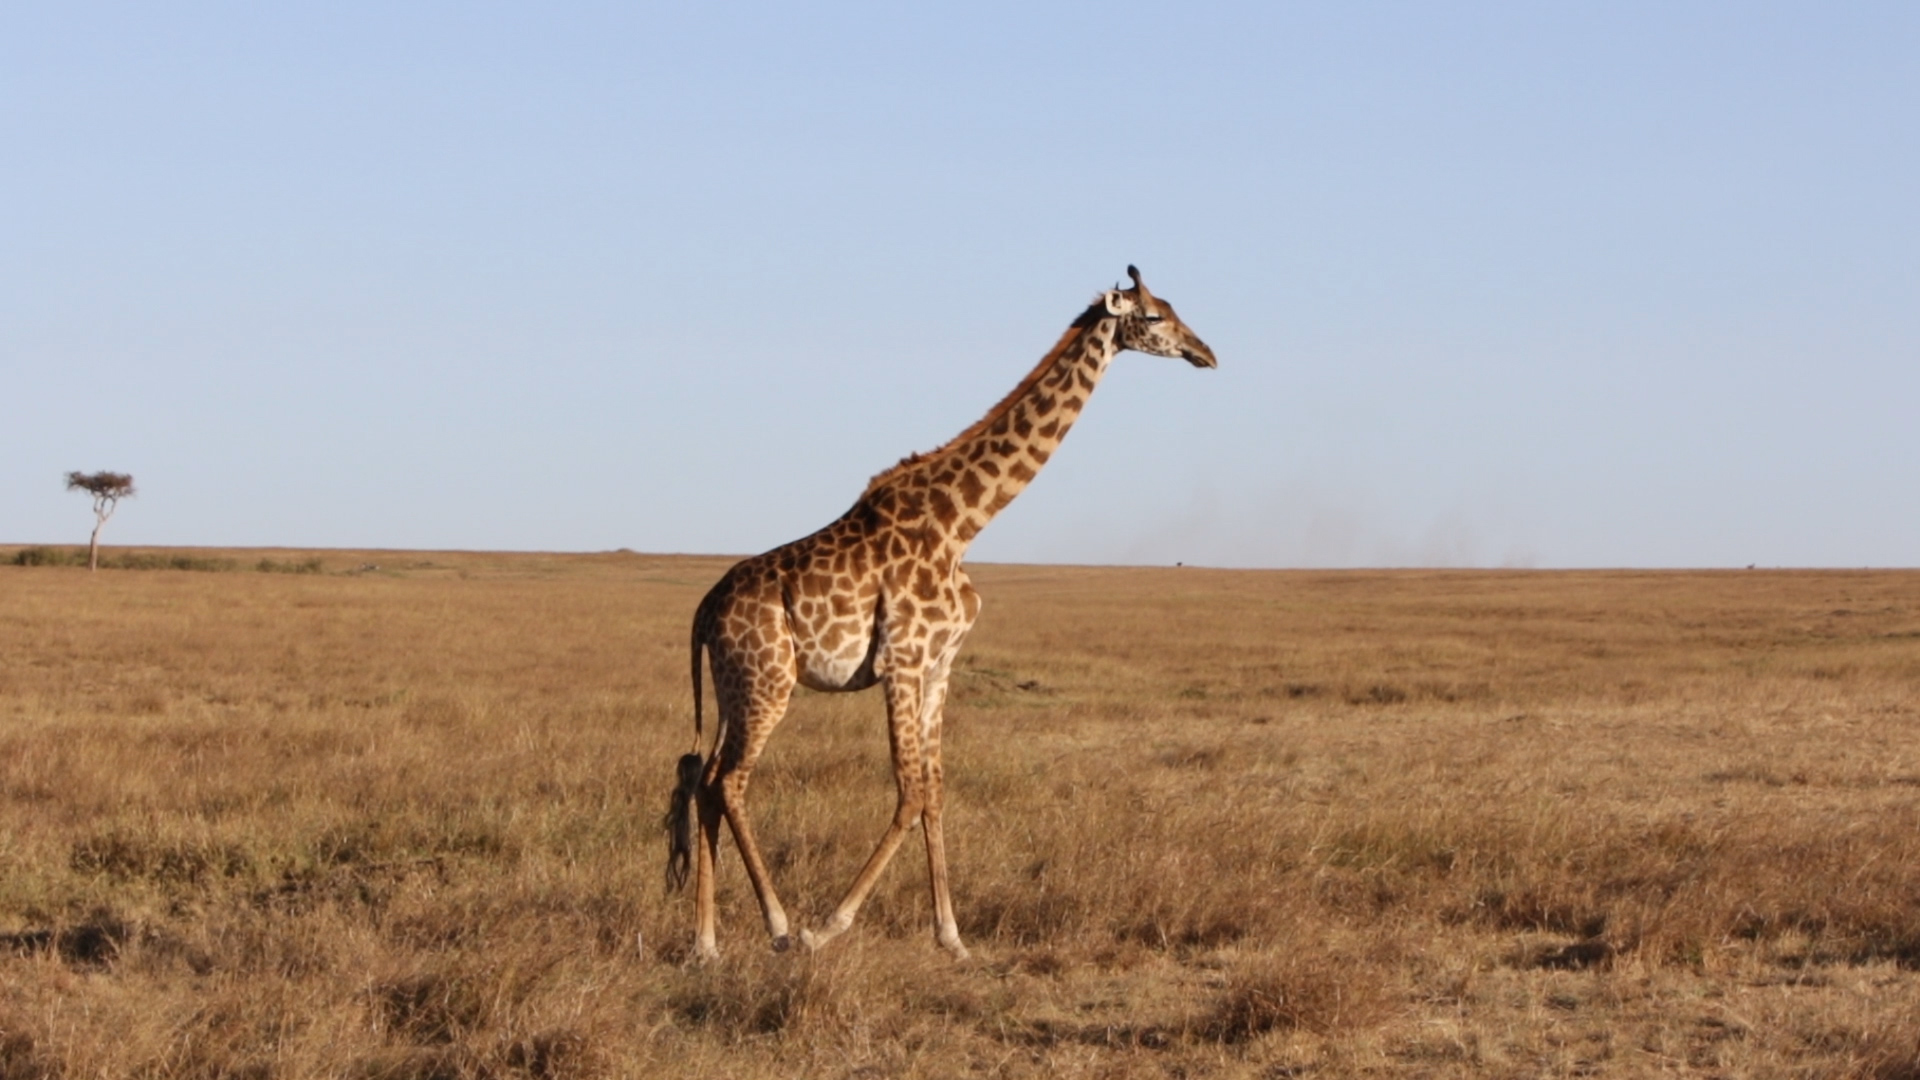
x=1147, y=324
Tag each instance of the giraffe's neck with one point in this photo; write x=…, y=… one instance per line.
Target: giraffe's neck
x=968, y=481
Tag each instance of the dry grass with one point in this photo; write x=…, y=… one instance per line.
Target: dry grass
x=399, y=818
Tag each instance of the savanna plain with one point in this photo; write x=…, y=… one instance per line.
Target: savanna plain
x=397, y=815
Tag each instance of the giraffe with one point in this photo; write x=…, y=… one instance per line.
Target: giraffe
x=879, y=597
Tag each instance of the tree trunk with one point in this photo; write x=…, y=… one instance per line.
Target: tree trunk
x=93, y=546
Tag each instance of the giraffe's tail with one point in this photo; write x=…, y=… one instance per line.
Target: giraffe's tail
x=680, y=821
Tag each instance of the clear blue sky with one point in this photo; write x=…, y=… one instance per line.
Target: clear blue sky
x=1623, y=284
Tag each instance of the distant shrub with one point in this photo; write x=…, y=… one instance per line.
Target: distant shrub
x=140, y=560
x=303, y=566
x=132, y=560
x=48, y=556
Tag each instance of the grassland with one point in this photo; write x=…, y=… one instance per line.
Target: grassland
x=396, y=815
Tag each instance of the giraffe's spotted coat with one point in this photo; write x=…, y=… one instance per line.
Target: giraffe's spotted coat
x=879, y=597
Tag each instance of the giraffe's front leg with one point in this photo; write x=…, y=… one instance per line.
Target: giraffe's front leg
x=963, y=604
x=903, y=728
x=946, y=930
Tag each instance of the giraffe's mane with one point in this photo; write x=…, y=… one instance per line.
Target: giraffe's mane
x=1094, y=313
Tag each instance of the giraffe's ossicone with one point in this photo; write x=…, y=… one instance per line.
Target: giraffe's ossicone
x=879, y=596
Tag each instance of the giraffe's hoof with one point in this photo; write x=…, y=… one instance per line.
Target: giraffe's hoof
x=955, y=949
x=812, y=940
x=783, y=943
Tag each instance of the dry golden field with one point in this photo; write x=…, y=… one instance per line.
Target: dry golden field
x=403, y=821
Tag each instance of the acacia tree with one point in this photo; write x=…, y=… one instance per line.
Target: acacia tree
x=107, y=489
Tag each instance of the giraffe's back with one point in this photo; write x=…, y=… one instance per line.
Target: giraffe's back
x=812, y=603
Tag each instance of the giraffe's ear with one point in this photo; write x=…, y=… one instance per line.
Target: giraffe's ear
x=1118, y=303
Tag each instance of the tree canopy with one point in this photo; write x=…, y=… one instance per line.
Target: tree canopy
x=111, y=486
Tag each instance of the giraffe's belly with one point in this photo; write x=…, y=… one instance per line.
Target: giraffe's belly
x=841, y=661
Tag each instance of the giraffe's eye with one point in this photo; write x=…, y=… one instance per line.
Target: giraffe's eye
x=1150, y=317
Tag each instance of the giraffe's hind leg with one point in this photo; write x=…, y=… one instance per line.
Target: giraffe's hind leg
x=706, y=857
x=751, y=705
